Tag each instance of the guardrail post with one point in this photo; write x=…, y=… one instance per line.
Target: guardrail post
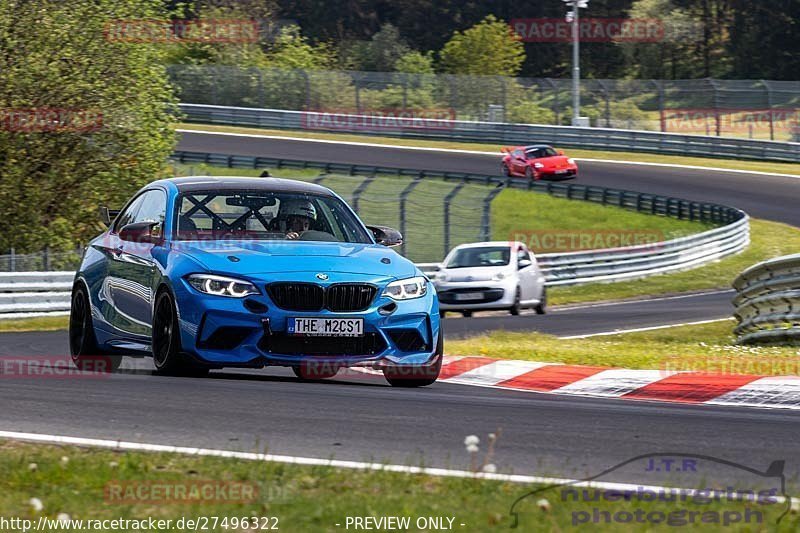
x=403, y=196
x=12, y=261
x=447, y=201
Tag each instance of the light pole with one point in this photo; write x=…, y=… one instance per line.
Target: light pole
x=573, y=17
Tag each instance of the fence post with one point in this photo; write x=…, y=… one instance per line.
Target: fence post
x=403, y=196
x=46, y=258
x=360, y=190
x=555, y=98
x=447, y=200
x=661, y=112
x=486, y=230
x=716, y=105
x=768, y=90
x=12, y=261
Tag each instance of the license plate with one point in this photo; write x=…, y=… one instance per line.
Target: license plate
x=561, y=171
x=326, y=327
x=466, y=296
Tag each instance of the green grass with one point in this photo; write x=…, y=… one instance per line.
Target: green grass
x=303, y=498
x=768, y=240
x=702, y=348
x=757, y=166
x=44, y=323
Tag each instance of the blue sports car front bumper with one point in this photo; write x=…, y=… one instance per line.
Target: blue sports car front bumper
x=253, y=331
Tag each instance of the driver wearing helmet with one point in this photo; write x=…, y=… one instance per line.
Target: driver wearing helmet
x=298, y=216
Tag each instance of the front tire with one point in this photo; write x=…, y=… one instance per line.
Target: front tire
x=529, y=173
x=422, y=376
x=514, y=310
x=83, y=348
x=166, y=341
x=466, y=314
x=541, y=308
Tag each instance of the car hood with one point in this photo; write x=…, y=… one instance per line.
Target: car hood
x=270, y=257
x=474, y=273
x=556, y=161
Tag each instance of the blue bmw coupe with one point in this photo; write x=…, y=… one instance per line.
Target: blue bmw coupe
x=211, y=272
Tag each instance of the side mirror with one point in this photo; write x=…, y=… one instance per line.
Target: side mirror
x=108, y=215
x=386, y=236
x=524, y=263
x=142, y=232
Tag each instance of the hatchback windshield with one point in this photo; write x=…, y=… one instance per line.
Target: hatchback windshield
x=263, y=215
x=480, y=257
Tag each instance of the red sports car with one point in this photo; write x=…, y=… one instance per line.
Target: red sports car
x=538, y=161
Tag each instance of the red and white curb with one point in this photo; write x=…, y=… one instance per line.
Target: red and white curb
x=655, y=385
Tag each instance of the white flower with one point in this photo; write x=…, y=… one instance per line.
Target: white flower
x=113, y=464
x=63, y=518
x=472, y=448
x=471, y=440
x=33, y=467
x=489, y=468
x=64, y=460
x=492, y=436
x=543, y=504
x=36, y=503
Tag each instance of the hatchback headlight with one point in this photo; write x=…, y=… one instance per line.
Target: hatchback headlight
x=407, y=289
x=538, y=165
x=222, y=286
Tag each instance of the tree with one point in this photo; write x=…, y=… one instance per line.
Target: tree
x=293, y=51
x=488, y=48
x=102, y=112
x=415, y=63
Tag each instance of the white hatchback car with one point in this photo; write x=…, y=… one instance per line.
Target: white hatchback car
x=490, y=275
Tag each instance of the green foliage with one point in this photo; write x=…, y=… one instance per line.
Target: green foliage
x=415, y=63
x=56, y=55
x=529, y=113
x=293, y=51
x=488, y=48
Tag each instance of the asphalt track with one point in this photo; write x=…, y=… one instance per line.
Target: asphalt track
x=361, y=418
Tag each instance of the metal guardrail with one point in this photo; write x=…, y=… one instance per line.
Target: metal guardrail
x=24, y=294
x=499, y=132
x=768, y=302
x=635, y=262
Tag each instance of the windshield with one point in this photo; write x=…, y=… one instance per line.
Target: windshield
x=541, y=152
x=264, y=215
x=480, y=257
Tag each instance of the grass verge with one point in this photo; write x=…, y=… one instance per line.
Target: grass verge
x=757, y=166
x=82, y=483
x=699, y=348
x=42, y=323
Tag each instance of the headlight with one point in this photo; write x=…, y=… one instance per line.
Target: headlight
x=538, y=165
x=222, y=286
x=407, y=289
x=571, y=161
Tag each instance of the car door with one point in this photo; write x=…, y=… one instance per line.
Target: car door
x=518, y=162
x=526, y=270
x=132, y=270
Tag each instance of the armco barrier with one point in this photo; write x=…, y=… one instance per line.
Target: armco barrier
x=503, y=133
x=768, y=302
x=34, y=293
